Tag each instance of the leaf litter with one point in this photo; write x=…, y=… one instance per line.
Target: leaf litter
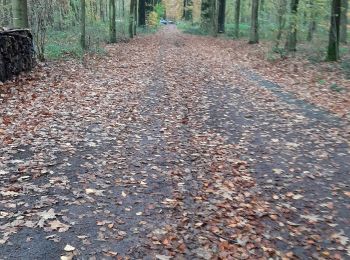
x=166, y=151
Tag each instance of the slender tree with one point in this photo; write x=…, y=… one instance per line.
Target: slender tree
x=209, y=17
x=83, y=24
x=333, y=44
x=112, y=25
x=281, y=19
x=291, y=43
x=254, y=25
x=20, y=13
x=221, y=16
x=237, y=17
x=135, y=17
x=312, y=21
x=142, y=12
x=213, y=18
x=131, y=18
x=102, y=11
x=344, y=21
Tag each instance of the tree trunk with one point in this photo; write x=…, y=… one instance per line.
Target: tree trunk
x=281, y=19
x=112, y=25
x=102, y=11
x=131, y=18
x=333, y=45
x=312, y=22
x=237, y=17
x=254, y=27
x=214, y=18
x=75, y=12
x=291, y=43
x=221, y=16
x=82, y=24
x=209, y=17
x=262, y=5
x=135, y=16
x=142, y=12
x=344, y=21
x=20, y=13
x=311, y=30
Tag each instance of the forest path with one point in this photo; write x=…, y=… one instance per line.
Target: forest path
x=166, y=147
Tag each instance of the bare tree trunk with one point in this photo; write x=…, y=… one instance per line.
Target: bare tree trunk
x=131, y=18
x=333, y=45
x=112, y=25
x=142, y=12
x=237, y=17
x=311, y=30
x=344, y=21
x=312, y=23
x=214, y=18
x=291, y=43
x=221, y=16
x=254, y=27
x=209, y=17
x=135, y=16
x=102, y=11
x=83, y=24
x=20, y=13
x=75, y=11
x=281, y=19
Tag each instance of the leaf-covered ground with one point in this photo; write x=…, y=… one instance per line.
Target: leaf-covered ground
x=169, y=148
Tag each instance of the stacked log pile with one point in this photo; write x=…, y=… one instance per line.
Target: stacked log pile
x=16, y=53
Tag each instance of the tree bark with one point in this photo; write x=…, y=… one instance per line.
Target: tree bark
x=221, y=16
x=237, y=17
x=20, y=13
x=344, y=21
x=83, y=24
x=112, y=25
x=254, y=27
x=131, y=18
x=281, y=19
x=209, y=17
x=291, y=43
x=213, y=18
x=102, y=11
x=333, y=44
x=142, y=12
x=135, y=16
x=312, y=22
x=311, y=30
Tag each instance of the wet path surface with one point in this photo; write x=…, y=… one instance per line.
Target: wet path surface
x=168, y=149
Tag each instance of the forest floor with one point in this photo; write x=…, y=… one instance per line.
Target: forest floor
x=169, y=147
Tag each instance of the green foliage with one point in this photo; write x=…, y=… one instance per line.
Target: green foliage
x=337, y=88
x=243, y=30
x=58, y=51
x=190, y=28
x=153, y=19
x=322, y=81
x=65, y=44
x=146, y=30
x=276, y=53
x=160, y=10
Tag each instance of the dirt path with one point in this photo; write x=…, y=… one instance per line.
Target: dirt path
x=167, y=148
